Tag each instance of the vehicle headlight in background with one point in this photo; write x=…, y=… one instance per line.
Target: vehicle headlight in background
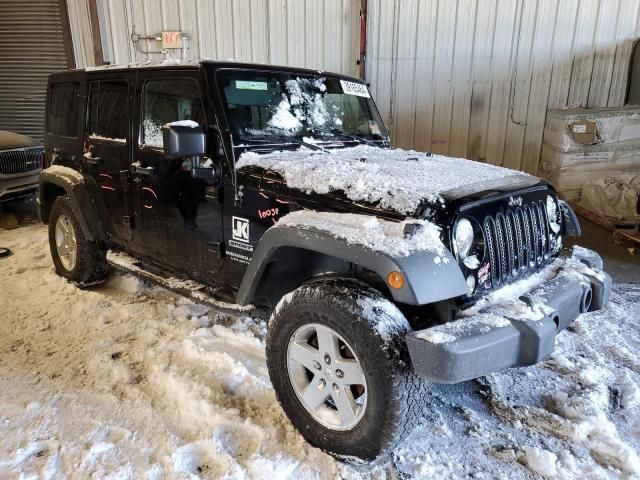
x=462, y=238
x=552, y=213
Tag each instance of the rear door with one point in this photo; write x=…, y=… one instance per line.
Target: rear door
x=107, y=150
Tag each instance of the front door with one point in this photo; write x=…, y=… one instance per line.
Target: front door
x=179, y=212
x=106, y=151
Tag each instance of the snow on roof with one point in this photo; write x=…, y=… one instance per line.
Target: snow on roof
x=377, y=234
x=398, y=179
x=172, y=62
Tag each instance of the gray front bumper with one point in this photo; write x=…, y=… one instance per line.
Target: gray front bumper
x=512, y=332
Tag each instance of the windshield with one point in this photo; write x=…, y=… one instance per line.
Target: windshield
x=281, y=107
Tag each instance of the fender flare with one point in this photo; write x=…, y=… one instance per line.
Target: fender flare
x=570, y=219
x=427, y=280
x=82, y=191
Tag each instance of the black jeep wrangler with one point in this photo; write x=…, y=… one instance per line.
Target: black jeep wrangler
x=271, y=188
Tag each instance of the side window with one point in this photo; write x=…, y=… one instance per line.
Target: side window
x=166, y=101
x=108, y=118
x=63, y=109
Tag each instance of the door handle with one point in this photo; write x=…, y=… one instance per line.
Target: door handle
x=91, y=160
x=143, y=170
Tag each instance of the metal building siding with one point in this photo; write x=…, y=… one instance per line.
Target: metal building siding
x=474, y=78
x=80, y=25
x=32, y=46
x=319, y=34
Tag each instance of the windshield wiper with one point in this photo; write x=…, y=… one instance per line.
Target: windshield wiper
x=350, y=136
x=265, y=140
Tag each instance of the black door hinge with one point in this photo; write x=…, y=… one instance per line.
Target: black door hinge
x=216, y=248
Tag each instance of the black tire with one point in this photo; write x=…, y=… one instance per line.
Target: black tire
x=91, y=266
x=4, y=252
x=375, y=329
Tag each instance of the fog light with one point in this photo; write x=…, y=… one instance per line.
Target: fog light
x=395, y=280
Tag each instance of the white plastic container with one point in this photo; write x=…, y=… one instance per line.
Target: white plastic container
x=615, y=126
x=568, y=172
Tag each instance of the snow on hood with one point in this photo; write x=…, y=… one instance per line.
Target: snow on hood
x=397, y=179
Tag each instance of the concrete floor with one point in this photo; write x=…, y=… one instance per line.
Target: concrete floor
x=621, y=258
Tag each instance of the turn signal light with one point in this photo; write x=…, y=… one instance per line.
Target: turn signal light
x=395, y=280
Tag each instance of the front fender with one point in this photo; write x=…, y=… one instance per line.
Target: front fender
x=430, y=276
x=571, y=224
x=79, y=188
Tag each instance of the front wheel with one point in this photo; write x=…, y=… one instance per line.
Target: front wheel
x=338, y=362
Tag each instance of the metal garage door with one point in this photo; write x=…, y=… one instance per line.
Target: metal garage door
x=33, y=38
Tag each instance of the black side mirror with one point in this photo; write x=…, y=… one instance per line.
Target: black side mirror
x=183, y=141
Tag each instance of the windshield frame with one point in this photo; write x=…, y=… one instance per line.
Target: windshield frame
x=296, y=139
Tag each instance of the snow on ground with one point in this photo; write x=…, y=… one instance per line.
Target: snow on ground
x=131, y=381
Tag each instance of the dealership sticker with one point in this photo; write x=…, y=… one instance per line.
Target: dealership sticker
x=250, y=85
x=353, y=88
x=240, y=229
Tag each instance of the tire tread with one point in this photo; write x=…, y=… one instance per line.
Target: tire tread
x=408, y=393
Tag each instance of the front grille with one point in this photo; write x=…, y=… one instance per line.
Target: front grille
x=21, y=160
x=517, y=242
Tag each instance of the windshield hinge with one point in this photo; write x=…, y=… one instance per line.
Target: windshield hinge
x=239, y=196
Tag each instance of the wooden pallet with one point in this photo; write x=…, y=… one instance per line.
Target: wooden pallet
x=628, y=233
x=592, y=217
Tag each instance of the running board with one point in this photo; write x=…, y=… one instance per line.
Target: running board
x=191, y=289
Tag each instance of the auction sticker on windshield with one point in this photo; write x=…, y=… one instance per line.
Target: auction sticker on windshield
x=353, y=88
x=250, y=85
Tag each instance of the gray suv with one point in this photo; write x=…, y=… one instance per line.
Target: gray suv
x=20, y=163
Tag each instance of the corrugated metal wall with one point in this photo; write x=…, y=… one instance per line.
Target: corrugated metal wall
x=474, y=78
x=32, y=45
x=471, y=78
x=319, y=34
x=80, y=25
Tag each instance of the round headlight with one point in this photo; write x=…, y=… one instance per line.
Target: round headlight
x=552, y=213
x=462, y=237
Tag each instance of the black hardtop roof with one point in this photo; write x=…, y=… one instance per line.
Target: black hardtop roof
x=190, y=65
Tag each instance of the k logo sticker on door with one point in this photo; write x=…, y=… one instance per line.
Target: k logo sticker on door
x=240, y=229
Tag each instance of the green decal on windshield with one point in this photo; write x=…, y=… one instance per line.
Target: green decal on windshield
x=250, y=85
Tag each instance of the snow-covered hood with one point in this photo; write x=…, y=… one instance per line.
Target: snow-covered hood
x=394, y=179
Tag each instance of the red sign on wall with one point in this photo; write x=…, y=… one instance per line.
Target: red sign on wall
x=171, y=39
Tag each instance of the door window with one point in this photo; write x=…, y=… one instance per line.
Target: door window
x=63, y=109
x=108, y=118
x=166, y=101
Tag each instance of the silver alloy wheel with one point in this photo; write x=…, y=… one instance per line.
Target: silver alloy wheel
x=66, y=244
x=327, y=377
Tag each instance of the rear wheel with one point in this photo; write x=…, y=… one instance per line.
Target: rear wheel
x=74, y=257
x=339, y=365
